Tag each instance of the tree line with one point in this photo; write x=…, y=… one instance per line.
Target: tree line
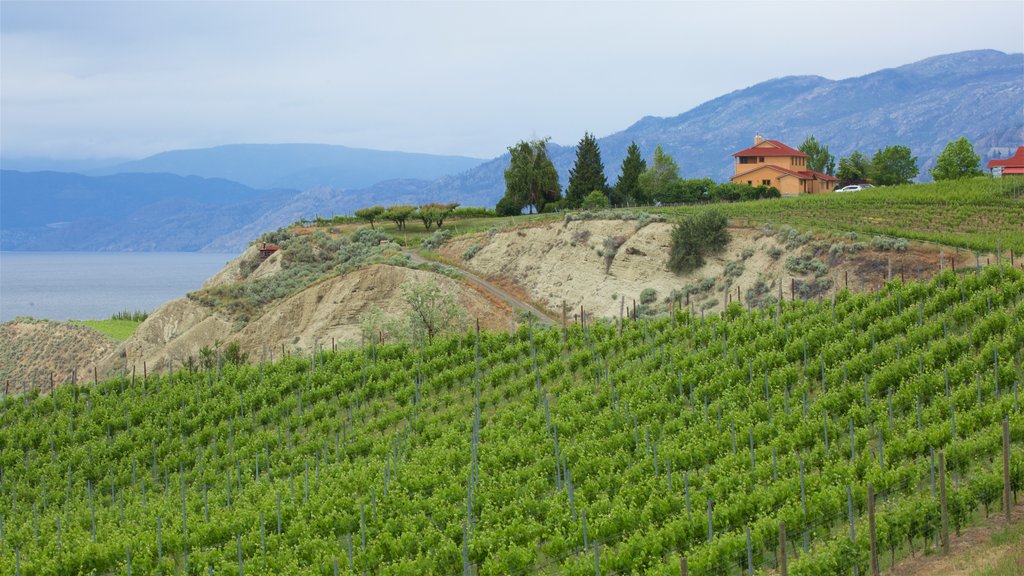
x=532, y=182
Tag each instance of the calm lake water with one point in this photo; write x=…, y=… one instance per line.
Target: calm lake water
x=95, y=285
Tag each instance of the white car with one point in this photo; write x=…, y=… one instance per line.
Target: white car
x=855, y=188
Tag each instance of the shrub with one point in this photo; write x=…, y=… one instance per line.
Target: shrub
x=697, y=235
x=648, y=295
x=886, y=243
x=806, y=264
x=580, y=237
x=791, y=238
x=609, y=248
x=435, y=240
x=775, y=252
x=595, y=200
x=471, y=251
x=734, y=269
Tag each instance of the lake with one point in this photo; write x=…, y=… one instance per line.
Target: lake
x=95, y=285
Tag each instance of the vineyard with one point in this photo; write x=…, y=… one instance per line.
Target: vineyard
x=600, y=448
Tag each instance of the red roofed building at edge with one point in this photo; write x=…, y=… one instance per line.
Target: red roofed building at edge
x=1014, y=165
x=772, y=163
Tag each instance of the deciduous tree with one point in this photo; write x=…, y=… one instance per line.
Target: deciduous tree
x=957, y=161
x=853, y=168
x=819, y=158
x=371, y=214
x=656, y=182
x=531, y=179
x=587, y=174
x=398, y=214
x=893, y=165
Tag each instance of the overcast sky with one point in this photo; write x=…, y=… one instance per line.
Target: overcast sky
x=129, y=79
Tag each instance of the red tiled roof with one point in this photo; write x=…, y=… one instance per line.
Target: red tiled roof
x=1014, y=170
x=777, y=149
x=270, y=248
x=803, y=175
x=1016, y=160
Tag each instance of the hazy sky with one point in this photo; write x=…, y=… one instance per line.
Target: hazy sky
x=86, y=80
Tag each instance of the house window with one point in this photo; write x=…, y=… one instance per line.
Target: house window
x=766, y=182
x=760, y=159
x=750, y=182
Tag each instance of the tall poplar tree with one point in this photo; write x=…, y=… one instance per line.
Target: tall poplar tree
x=587, y=174
x=627, y=188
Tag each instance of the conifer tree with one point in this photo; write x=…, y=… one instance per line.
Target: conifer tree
x=587, y=174
x=627, y=189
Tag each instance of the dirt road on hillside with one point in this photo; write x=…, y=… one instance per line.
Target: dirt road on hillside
x=503, y=295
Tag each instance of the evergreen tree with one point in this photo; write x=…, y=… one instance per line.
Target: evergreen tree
x=820, y=159
x=656, y=182
x=957, y=161
x=893, y=165
x=587, y=174
x=627, y=189
x=531, y=179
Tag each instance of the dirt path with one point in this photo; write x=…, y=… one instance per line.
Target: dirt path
x=503, y=295
x=987, y=548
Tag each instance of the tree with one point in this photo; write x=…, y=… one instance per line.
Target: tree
x=587, y=174
x=893, y=165
x=957, y=161
x=370, y=214
x=433, y=311
x=595, y=200
x=531, y=179
x=435, y=213
x=508, y=207
x=627, y=188
x=853, y=168
x=656, y=182
x=820, y=159
x=398, y=214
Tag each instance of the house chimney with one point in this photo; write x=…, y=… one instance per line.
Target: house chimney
x=758, y=139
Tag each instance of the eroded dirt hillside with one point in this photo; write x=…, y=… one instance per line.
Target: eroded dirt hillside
x=33, y=350
x=606, y=265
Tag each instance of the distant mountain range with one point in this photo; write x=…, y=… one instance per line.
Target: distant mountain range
x=977, y=94
x=220, y=198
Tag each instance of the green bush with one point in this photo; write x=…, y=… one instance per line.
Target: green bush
x=648, y=295
x=806, y=264
x=697, y=235
x=596, y=200
x=471, y=251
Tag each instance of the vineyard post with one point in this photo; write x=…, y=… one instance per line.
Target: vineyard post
x=1007, y=503
x=782, y=548
x=750, y=555
x=95, y=377
x=597, y=561
x=943, y=504
x=792, y=289
x=565, y=333
x=682, y=566
x=622, y=305
x=846, y=278
x=871, y=530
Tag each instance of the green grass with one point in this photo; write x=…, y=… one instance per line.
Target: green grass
x=976, y=214
x=1009, y=564
x=119, y=330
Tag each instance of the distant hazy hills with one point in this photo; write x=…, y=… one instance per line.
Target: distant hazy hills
x=124, y=212
x=220, y=198
x=298, y=166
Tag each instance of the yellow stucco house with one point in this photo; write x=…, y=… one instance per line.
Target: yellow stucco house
x=772, y=163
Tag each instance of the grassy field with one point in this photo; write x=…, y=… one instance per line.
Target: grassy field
x=976, y=214
x=119, y=330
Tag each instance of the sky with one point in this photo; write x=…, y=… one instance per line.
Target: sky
x=130, y=79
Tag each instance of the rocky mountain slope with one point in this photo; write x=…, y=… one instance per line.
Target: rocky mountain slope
x=924, y=105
